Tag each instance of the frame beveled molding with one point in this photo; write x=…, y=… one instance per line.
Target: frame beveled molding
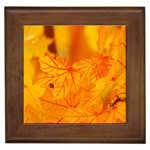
x=131, y=132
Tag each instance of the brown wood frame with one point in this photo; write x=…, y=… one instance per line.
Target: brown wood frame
x=131, y=132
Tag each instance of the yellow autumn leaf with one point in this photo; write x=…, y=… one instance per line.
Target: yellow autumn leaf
x=54, y=109
x=114, y=114
x=32, y=93
x=78, y=115
x=61, y=74
x=30, y=115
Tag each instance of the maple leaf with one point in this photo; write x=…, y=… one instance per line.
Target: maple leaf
x=61, y=74
x=89, y=101
x=73, y=99
x=95, y=67
x=116, y=113
x=101, y=95
x=32, y=93
x=106, y=88
x=54, y=109
x=78, y=115
x=33, y=115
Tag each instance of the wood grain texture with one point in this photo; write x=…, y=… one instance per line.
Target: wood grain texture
x=131, y=132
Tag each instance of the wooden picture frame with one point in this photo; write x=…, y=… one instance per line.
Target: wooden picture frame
x=131, y=132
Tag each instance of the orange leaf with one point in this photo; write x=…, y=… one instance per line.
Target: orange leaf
x=61, y=74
